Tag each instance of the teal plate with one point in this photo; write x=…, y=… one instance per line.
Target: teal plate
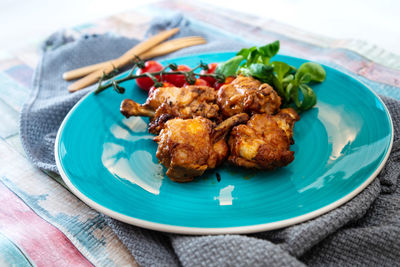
x=109, y=162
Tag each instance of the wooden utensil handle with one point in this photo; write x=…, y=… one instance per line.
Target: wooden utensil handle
x=148, y=44
x=136, y=50
x=77, y=73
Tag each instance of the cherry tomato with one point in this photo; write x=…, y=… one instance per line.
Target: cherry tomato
x=228, y=80
x=211, y=69
x=177, y=79
x=146, y=83
x=199, y=82
x=165, y=84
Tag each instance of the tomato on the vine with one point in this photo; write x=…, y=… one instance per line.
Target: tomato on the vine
x=146, y=83
x=228, y=80
x=211, y=70
x=199, y=82
x=177, y=79
x=164, y=84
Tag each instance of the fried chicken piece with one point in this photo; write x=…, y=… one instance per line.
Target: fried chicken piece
x=264, y=142
x=130, y=108
x=166, y=103
x=285, y=119
x=246, y=94
x=188, y=147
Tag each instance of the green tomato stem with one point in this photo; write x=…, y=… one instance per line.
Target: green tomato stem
x=152, y=75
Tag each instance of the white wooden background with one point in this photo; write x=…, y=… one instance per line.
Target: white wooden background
x=375, y=21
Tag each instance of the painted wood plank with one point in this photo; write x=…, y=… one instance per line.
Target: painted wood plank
x=12, y=92
x=40, y=238
x=30, y=55
x=21, y=73
x=8, y=120
x=8, y=60
x=84, y=227
x=15, y=142
x=11, y=255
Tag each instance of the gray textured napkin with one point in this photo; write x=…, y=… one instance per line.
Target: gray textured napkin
x=365, y=231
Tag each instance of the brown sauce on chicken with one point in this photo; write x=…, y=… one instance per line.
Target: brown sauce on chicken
x=193, y=123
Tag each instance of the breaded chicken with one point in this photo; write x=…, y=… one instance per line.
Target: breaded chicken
x=285, y=119
x=191, y=130
x=242, y=95
x=165, y=103
x=246, y=94
x=188, y=147
x=264, y=142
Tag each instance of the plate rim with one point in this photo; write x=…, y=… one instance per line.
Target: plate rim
x=220, y=230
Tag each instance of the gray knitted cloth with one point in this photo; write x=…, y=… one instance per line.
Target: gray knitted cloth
x=365, y=231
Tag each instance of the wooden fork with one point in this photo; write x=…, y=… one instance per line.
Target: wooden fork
x=139, y=48
x=161, y=49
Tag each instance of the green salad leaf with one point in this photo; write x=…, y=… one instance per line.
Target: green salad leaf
x=261, y=54
x=259, y=71
x=229, y=67
x=290, y=83
x=315, y=70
